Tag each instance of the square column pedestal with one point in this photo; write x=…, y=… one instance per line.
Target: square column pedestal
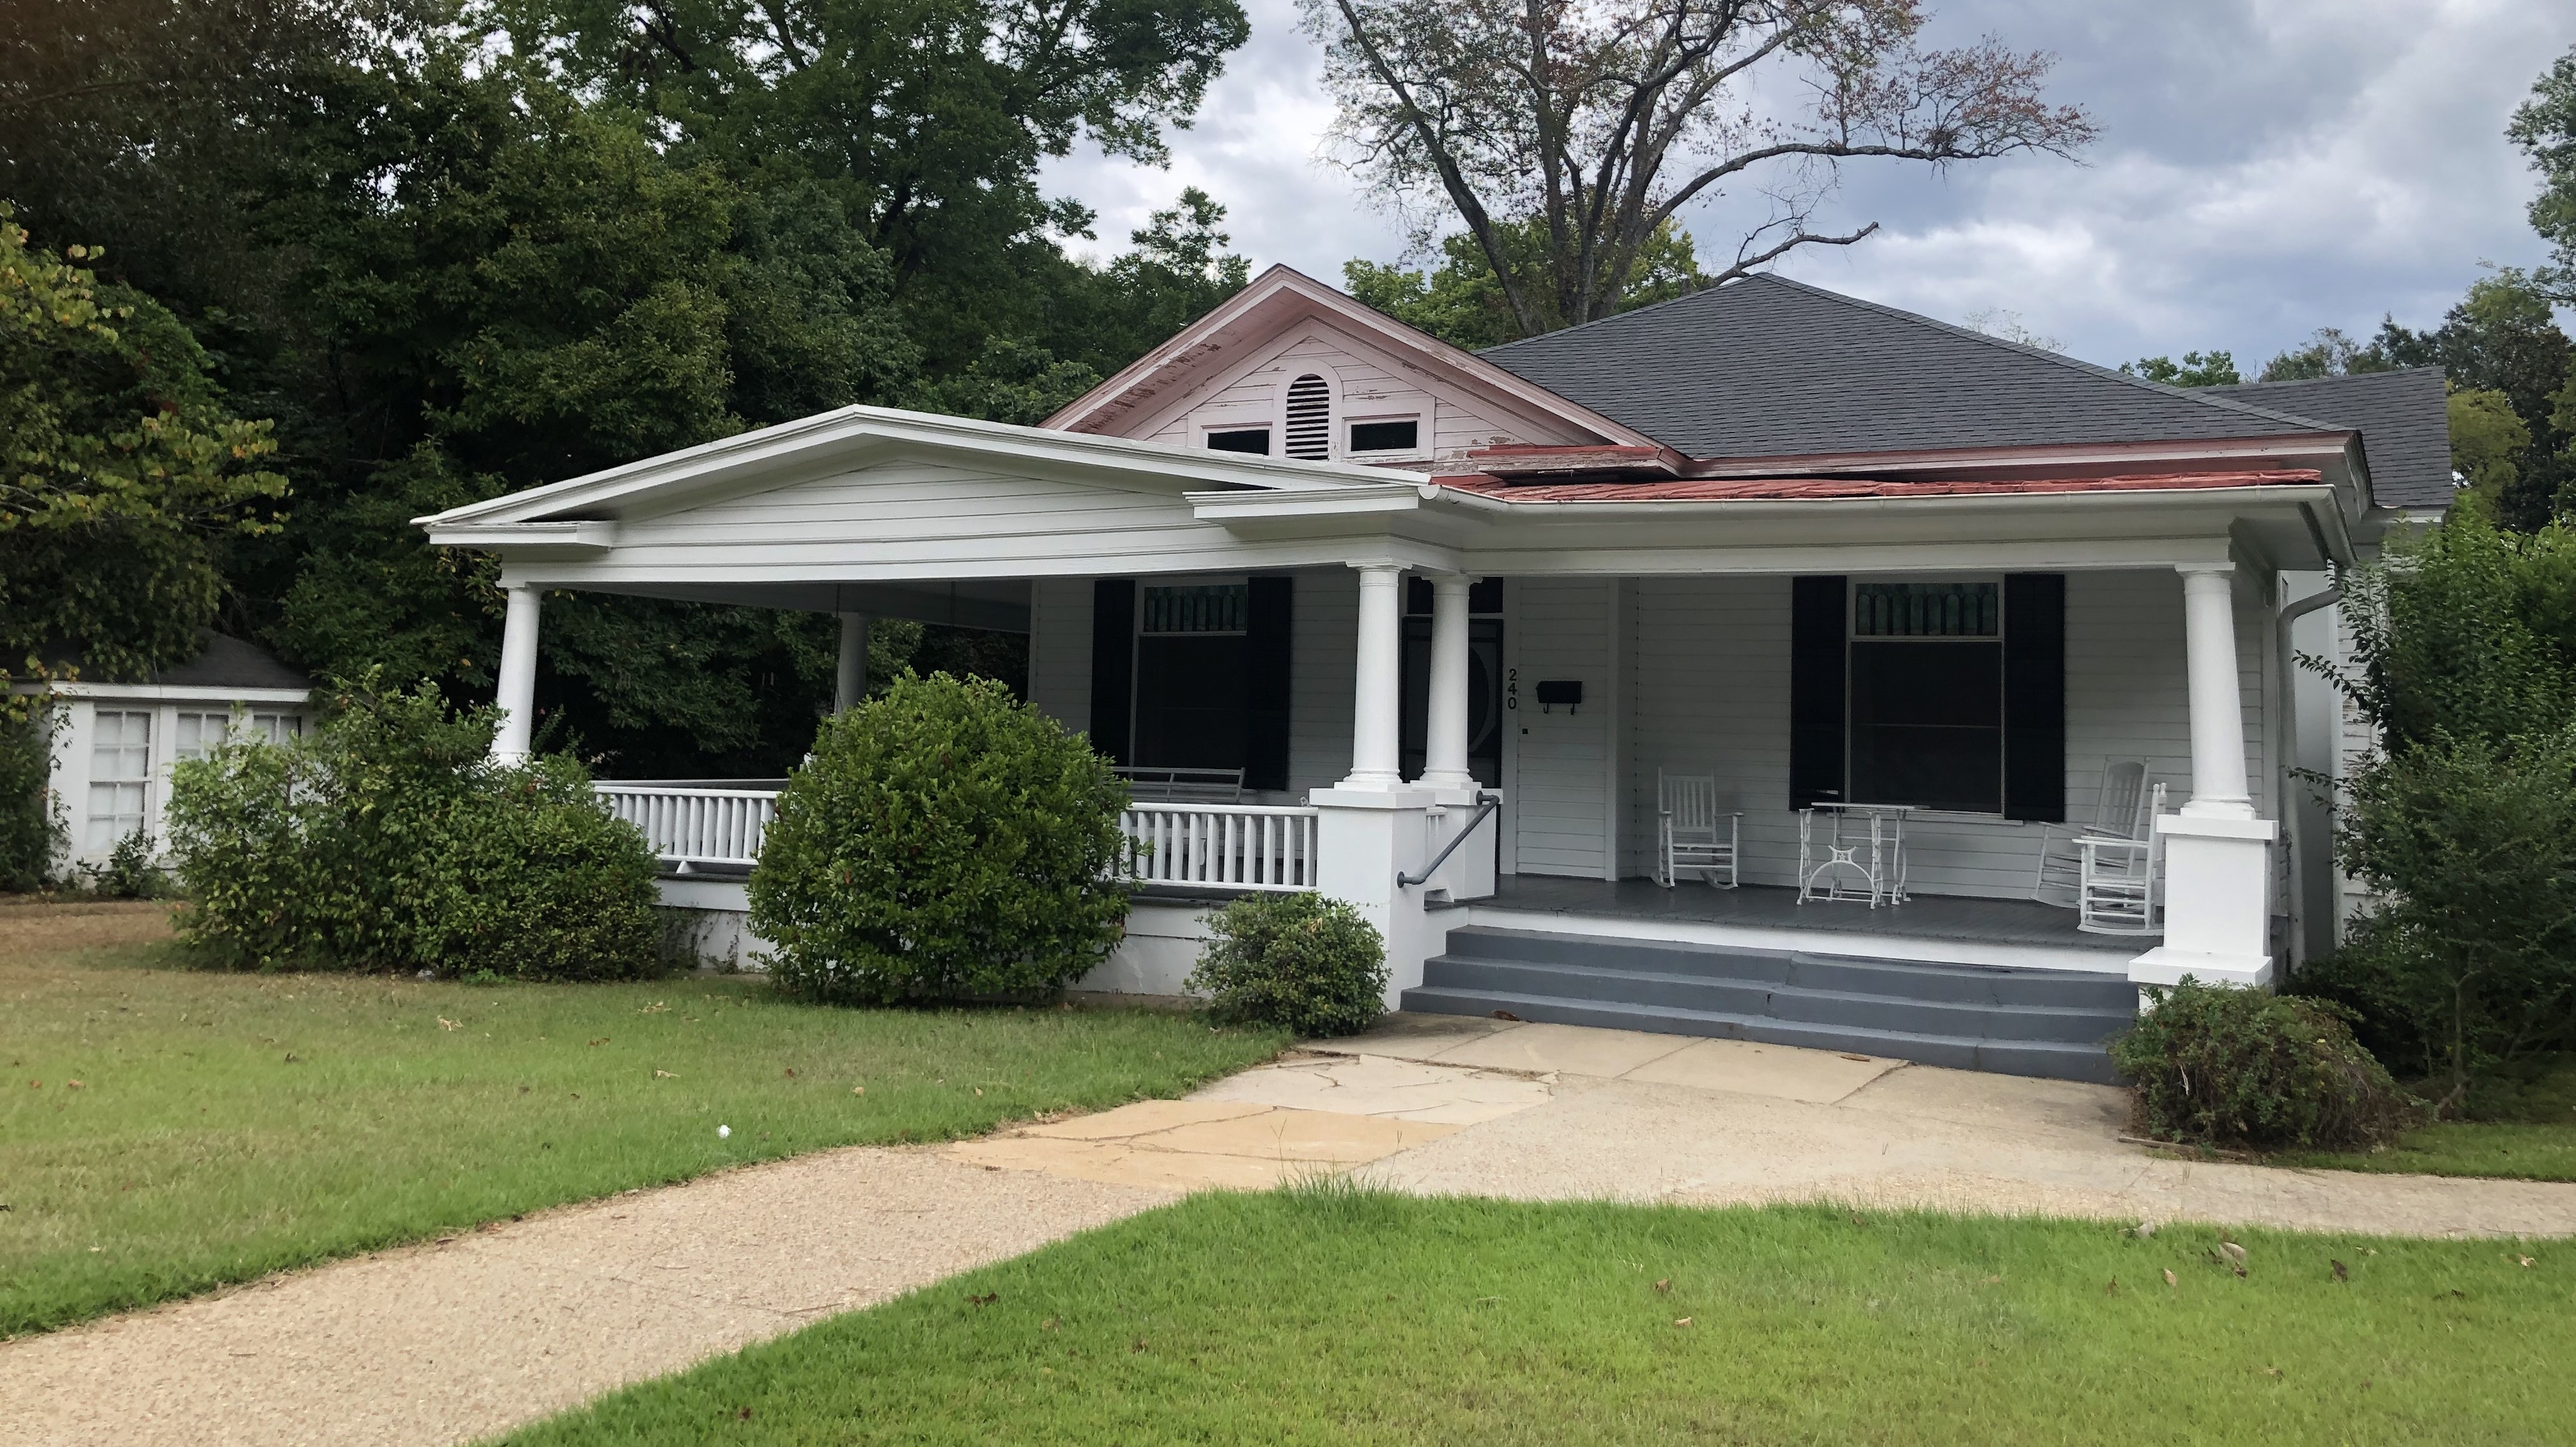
x=2218, y=902
x=1364, y=838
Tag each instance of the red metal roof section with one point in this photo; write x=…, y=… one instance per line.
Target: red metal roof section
x=1821, y=489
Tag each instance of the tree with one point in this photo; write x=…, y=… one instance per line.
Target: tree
x=2330, y=353
x=2502, y=339
x=120, y=470
x=2487, y=440
x=928, y=118
x=1599, y=123
x=2196, y=369
x=1462, y=303
x=2545, y=128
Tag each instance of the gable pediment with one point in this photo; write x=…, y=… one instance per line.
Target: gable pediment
x=1230, y=370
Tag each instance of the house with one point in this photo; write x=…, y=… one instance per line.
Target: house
x=114, y=743
x=1821, y=551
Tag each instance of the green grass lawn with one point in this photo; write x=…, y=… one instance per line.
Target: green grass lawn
x=1334, y=1316
x=2521, y=1122
x=225, y=1126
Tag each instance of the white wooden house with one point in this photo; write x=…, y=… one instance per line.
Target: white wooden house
x=114, y=743
x=1823, y=552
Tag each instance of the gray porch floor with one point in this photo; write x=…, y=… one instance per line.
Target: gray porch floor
x=1938, y=917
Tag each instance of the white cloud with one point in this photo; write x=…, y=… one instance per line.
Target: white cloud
x=2267, y=167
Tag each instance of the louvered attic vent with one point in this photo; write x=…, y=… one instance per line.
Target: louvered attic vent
x=1310, y=418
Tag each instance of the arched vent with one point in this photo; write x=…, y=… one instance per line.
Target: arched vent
x=1310, y=418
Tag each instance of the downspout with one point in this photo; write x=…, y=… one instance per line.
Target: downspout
x=2287, y=652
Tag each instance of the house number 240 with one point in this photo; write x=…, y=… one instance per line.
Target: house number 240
x=1511, y=688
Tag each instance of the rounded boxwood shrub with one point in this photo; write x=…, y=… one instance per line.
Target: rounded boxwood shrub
x=2219, y=1064
x=390, y=840
x=944, y=842
x=1297, y=961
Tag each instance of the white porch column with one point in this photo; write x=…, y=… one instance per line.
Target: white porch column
x=517, y=695
x=2217, y=708
x=850, y=684
x=2218, y=855
x=1444, y=763
x=1377, y=752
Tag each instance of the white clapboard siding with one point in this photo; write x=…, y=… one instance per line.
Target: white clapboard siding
x=1560, y=629
x=1060, y=650
x=1365, y=382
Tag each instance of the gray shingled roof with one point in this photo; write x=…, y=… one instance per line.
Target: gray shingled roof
x=1766, y=367
x=2403, y=418
x=224, y=662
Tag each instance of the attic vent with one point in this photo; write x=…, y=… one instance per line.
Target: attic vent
x=1310, y=418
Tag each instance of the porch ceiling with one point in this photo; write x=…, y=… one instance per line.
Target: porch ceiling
x=997, y=605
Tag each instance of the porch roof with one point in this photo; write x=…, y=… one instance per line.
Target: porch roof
x=1820, y=489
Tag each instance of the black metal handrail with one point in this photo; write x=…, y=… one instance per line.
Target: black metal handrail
x=1486, y=804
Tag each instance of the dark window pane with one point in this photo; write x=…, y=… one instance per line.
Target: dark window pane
x=1190, y=701
x=1927, y=725
x=1385, y=436
x=1244, y=439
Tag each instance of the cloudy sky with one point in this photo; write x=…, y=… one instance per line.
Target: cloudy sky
x=2266, y=167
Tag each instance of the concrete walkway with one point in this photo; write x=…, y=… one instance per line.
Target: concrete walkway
x=459, y=1340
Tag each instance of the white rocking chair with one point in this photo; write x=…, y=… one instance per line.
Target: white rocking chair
x=2120, y=812
x=2116, y=880
x=1692, y=833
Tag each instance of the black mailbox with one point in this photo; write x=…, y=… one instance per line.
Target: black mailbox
x=1553, y=691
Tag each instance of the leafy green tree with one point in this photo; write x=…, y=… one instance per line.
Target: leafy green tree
x=2331, y=353
x=2464, y=825
x=2196, y=369
x=121, y=471
x=1463, y=303
x=2487, y=440
x=2545, y=128
x=928, y=118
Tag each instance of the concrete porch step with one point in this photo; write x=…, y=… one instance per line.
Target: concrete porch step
x=2023, y=1022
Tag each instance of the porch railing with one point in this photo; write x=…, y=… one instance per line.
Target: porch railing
x=1222, y=846
x=693, y=826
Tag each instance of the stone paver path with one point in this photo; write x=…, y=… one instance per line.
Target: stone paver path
x=447, y=1343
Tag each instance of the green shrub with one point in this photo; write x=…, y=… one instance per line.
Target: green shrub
x=129, y=872
x=944, y=842
x=1297, y=961
x=31, y=829
x=2214, y=1063
x=389, y=840
x=2465, y=957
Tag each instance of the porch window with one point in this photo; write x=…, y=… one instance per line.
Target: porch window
x=1191, y=673
x=1404, y=435
x=1927, y=695
x=1255, y=440
x=120, y=770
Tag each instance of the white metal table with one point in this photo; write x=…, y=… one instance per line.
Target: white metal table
x=1859, y=861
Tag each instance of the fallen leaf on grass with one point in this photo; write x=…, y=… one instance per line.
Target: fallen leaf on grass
x=2341, y=1271
x=987, y=1299
x=2113, y=1289
x=446, y=1024
x=80, y=1085
x=1681, y=1321
x=2170, y=1279
x=1664, y=1287
x=791, y=1072
x=2519, y=1260
x=664, y=1075
x=2272, y=1372
x=979, y=1094
x=602, y=1040
x=658, y=1007
x=1136, y=1346
x=1047, y=1325
x=2234, y=1254
x=858, y=1090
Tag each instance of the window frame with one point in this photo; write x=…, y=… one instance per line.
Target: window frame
x=1851, y=692
x=1421, y=427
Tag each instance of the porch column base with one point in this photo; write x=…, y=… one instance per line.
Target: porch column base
x=2218, y=902
x=1364, y=838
